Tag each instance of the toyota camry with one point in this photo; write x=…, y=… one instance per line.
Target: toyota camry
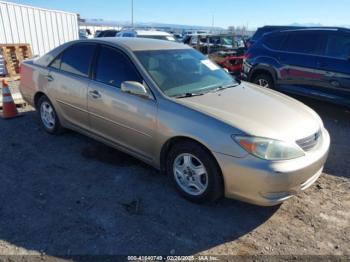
x=169, y=106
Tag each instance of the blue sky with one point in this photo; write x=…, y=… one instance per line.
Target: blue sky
x=253, y=13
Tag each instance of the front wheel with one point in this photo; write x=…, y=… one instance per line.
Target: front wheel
x=194, y=172
x=264, y=80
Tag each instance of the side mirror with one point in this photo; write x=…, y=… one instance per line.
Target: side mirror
x=135, y=88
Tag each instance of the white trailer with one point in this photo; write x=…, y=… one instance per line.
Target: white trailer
x=43, y=29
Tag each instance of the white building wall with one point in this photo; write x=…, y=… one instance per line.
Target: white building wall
x=43, y=29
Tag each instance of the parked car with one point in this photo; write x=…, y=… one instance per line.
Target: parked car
x=213, y=43
x=226, y=50
x=268, y=29
x=97, y=32
x=232, y=61
x=153, y=34
x=195, y=32
x=195, y=39
x=108, y=33
x=168, y=105
x=309, y=62
x=178, y=37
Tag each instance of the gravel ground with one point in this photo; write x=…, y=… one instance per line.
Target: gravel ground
x=70, y=195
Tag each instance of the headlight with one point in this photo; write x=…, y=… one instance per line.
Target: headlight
x=269, y=149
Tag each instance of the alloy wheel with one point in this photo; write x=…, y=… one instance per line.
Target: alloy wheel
x=190, y=174
x=47, y=115
x=263, y=82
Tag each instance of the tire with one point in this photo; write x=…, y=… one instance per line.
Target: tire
x=262, y=78
x=48, y=116
x=211, y=181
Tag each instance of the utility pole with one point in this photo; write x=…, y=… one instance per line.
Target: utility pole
x=132, y=13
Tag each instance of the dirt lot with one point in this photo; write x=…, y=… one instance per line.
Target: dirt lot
x=69, y=195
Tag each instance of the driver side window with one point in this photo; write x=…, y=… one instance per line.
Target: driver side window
x=113, y=67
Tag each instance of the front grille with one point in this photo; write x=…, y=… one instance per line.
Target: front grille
x=309, y=142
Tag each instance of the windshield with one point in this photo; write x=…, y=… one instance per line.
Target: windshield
x=184, y=71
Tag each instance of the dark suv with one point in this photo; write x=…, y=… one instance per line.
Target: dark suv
x=311, y=62
x=268, y=29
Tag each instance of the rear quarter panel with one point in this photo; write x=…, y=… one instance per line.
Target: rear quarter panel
x=32, y=80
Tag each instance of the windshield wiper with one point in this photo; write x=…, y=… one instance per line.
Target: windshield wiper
x=188, y=95
x=207, y=90
x=219, y=88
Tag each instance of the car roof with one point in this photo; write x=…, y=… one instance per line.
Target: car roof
x=324, y=29
x=280, y=26
x=277, y=29
x=139, y=44
x=318, y=29
x=147, y=32
x=308, y=29
x=152, y=32
x=129, y=43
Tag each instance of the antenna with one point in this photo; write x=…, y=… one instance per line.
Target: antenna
x=132, y=13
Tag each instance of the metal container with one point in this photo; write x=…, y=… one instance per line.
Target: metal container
x=43, y=29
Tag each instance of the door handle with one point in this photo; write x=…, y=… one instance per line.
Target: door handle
x=49, y=78
x=95, y=94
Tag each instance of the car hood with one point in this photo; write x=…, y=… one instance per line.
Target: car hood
x=258, y=111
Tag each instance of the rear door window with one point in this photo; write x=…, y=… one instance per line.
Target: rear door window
x=56, y=63
x=338, y=46
x=274, y=41
x=303, y=42
x=113, y=67
x=77, y=58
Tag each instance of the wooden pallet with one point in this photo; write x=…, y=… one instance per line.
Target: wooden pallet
x=13, y=56
x=8, y=79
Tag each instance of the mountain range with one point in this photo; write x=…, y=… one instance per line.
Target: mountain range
x=177, y=26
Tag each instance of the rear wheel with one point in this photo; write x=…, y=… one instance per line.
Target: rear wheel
x=264, y=80
x=48, y=116
x=194, y=172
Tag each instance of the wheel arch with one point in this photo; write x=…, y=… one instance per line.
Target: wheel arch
x=178, y=139
x=37, y=97
x=263, y=70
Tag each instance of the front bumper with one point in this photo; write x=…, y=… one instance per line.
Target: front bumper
x=245, y=73
x=269, y=183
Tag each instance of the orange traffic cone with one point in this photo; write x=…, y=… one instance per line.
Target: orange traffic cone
x=9, y=109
